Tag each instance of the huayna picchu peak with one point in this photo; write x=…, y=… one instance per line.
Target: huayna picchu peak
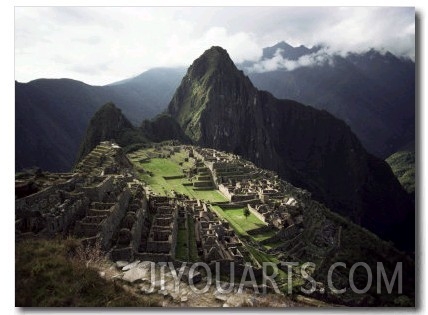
x=220, y=108
x=212, y=76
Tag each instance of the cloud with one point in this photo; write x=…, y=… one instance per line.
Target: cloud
x=92, y=69
x=319, y=58
x=175, y=52
x=359, y=29
x=234, y=43
x=91, y=40
x=131, y=40
x=340, y=28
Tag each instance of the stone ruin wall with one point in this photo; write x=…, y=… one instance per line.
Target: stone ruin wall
x=257, y=214
x=163, y=233
x=111, y=223
x=126, y=251
x=97, y=192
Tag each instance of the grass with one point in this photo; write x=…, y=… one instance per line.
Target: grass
x=164, y=187
x=170, y=167
x=238, y=221
x=179, y=157
x=207, y=195
x=403, y=165
x=247, y=223
x=162, y=167
x=263, y=236
x=261, y=256
x=273, y=244
x=48, y=275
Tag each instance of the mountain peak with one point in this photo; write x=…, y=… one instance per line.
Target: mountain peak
x=109, y=113
x=213, y=60
x=287, y=51
x=108, y=107
x=216, y=49
x=210, y=80
x=107, y=124
x=214, y=54
x=283, y=44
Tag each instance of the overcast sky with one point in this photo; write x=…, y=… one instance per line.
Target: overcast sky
x=102, y=45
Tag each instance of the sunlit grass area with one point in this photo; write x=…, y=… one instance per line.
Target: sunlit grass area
x=239, y=222
x=162, y=167
x=154, y=171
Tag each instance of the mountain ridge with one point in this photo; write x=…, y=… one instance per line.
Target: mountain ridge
x=288, y=51
x=53, y=114
x=372, y=92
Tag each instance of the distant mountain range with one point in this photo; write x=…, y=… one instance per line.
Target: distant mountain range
x=217, y=106
x=372, y=92
x=52, y=114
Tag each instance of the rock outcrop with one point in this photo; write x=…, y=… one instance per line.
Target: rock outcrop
x=108, y=124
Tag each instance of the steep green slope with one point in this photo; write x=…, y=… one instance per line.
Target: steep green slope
x=403, y=165
x=163, y=127
x=372, y=92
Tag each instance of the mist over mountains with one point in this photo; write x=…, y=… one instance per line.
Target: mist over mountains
x=373, y=93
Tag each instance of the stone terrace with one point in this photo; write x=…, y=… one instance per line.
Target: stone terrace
x=89, y=203
x=216, y=241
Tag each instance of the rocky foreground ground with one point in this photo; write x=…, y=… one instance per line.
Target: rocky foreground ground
x=137, y=278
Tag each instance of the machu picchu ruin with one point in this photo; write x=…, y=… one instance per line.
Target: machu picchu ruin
x=215, y=157
x=179, y=204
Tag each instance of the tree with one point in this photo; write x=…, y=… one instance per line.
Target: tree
x=246, y=213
